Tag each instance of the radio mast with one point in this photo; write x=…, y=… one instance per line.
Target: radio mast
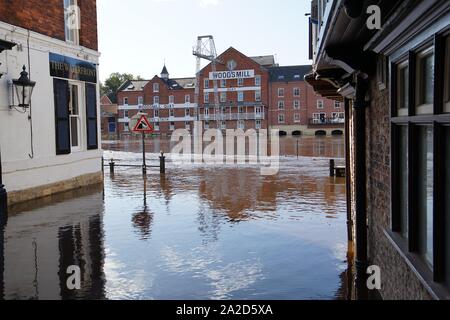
x=206, y=49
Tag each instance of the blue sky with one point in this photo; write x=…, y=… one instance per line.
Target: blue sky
x=136, y=36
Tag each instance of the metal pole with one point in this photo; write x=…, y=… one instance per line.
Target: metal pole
x=111, y=166
x=297, y=149
x=144, y=165
x=332, y=166
x=162, y=163
x=3, y=196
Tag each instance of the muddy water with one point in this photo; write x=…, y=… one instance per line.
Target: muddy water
x=199, y=232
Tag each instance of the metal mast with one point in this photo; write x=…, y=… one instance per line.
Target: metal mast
x=206, y=49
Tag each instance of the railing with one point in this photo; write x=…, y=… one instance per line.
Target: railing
x=326, y=121
x=232, y=116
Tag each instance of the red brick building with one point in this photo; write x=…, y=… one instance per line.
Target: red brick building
x=109, y=118
x=168, y=102
x=243, y=89
x=295, y=108
x=252, y=92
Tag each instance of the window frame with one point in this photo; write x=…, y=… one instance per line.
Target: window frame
x=258, y=81
x=281, y=93
x=321, y=103
x=433, y=277
x=258, y=96
x=76, y=32
x=294, y=92
x=281, y=105
x=281, y=118
x=422, y=108
x=297, y=105
x=156, y=87
x=297, y=115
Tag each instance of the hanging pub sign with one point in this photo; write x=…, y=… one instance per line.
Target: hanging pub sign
x=73, y=69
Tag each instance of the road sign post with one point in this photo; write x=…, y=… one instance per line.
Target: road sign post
x=144, y=127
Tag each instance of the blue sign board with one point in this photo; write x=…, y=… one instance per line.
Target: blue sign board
x=70, y=68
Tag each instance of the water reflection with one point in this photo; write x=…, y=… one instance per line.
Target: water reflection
x=41, y=244
x=198, y=232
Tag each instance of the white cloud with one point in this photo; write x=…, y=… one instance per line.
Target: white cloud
x=206, y=3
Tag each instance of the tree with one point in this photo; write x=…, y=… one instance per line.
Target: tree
x=113, y=83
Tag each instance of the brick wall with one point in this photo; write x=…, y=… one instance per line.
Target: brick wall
x=47, y=18
x=398, y=280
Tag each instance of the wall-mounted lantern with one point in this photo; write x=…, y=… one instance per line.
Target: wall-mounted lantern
x=23, y=89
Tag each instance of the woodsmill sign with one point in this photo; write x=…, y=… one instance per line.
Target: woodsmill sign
x=235, y=74
x=73, y=69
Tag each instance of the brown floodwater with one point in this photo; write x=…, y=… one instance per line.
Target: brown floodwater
x=197, y=232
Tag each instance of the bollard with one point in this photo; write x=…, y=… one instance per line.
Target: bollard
x=162, y=163
x=103, y=163
x=332, y=166
x=111, y=166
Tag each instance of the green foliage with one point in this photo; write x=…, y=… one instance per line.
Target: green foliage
x=113, y=83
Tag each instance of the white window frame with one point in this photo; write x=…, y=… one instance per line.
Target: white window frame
x=187, y=113
x=223, y=97
x=156, y=113
x=125, y=101
x=240, y=96
x=206, y=83
x=156, y=126
x=320, y=104
x=297, y=115
x=294, y=92
x=140, y=100
x=206, y=112
x=422, y=108
x=240, y=82
x=257, y=96
x=126, y=114
x=156, y=100
x=281, y=93
x=156, y=87
x=171, y=99
x=172, y=126
x=317, y=117
x=126, y=127
x=258, y=81
x=241, y=124
x=79, y=117
x=258, y=124
x=281, y=105
x=71, y=35
x=171, y=113
x=187, y=98
x=281, y=118
x=337, y=105
x=187, y=125
x=296, y=105
x=206, y=97
x=223, y=83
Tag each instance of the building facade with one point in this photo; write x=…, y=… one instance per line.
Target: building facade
x=169, y=103
x=396, y=87
x=52, y=144
x=252, y=93
x=109, y=118
x=295, y=109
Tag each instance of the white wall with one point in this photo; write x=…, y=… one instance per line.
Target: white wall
x=19, y=170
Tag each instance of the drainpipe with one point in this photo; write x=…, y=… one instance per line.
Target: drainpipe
x=360, y=105
x=348, y=170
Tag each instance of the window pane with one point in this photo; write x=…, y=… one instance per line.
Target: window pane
x=403, y=179
x=447, y=204
x=428, y=79
x=403, y=91
x=425, y=192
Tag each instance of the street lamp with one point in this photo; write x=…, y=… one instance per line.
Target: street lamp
x=23, y=88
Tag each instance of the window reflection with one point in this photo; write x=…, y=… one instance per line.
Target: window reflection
x=447, y=203
x=403, y=177
x=425, y=192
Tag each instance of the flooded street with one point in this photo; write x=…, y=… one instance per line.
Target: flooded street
x=199, y=232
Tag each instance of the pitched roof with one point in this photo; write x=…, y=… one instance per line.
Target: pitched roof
x=164, y=70
x=265, y=61
x=186, y=83
x=104, y=100
x=289, y=73
x=134, y=85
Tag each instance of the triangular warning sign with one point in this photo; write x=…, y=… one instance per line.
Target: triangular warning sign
x=143, y=126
